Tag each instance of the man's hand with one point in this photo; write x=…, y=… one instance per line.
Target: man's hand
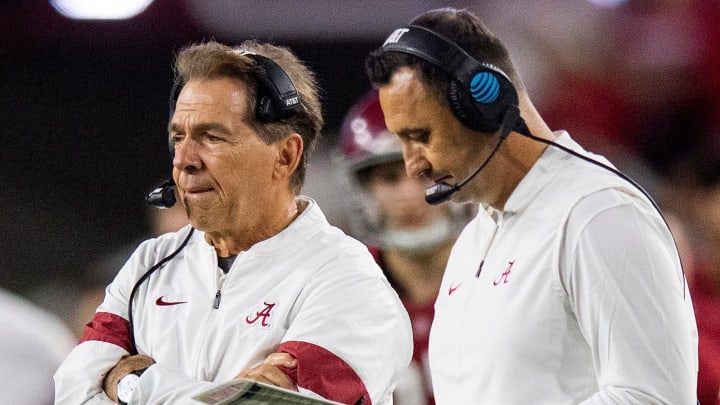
x=269, y=373
x=125, y=366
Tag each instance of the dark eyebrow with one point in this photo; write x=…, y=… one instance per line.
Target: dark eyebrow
x=408, y=132
x=202, y=127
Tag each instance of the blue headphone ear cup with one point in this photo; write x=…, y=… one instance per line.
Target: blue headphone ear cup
x=474, y=115
x=484, y=87
x=481, y=103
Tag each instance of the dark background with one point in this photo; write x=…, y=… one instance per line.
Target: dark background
x=83, y=109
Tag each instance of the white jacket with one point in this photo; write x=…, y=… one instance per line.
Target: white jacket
x=310, y=290
x=574, y=294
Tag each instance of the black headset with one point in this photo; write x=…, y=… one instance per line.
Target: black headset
x=480, y=93
x=276, y=99
x=481, y=97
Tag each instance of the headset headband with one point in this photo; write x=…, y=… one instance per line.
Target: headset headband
x=438, y=50
x=279, y=88
x=277, y=96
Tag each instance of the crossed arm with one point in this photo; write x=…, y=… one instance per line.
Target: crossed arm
x=268, y=372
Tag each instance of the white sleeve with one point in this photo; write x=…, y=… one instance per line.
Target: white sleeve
x=350, y=317
x=632, y=304
x=79, y=380
x=162, y=385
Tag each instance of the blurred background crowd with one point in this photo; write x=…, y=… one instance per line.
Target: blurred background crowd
x=83, y=115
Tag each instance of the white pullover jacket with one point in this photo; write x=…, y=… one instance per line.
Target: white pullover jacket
x=310, y=291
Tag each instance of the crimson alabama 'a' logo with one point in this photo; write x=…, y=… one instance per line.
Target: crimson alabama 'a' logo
x=262, y=316
x=504, y=276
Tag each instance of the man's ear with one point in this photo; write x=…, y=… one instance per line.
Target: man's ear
x=290, y=150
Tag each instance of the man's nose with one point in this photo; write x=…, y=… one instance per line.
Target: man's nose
x=415, y=163
x=185, y=154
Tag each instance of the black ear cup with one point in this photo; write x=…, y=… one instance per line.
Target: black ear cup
x=479, y=94
x=264, y=109
x=459, y=107
x=277, y=97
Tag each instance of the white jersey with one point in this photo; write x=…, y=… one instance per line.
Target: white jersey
x=310, y=291
x=573, y=294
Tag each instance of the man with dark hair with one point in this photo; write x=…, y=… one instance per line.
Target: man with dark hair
x=567, y=287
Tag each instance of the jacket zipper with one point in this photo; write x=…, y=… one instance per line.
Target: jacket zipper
x=216, y=303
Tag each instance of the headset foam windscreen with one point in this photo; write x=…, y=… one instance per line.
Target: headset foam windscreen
x=480, y=93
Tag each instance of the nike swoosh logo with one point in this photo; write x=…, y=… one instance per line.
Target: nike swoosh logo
x=452, y=289
x=162, y=303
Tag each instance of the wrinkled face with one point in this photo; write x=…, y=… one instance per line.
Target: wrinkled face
x=400, y=199
x=435, y=144
x=221, y=167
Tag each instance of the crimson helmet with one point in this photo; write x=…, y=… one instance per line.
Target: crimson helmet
x=364, y=139
x=365, y=142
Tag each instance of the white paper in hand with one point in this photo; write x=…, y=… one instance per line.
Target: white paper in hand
x=248, y=392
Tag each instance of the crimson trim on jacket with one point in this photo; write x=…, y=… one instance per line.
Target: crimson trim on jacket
x=322, y=372
x=110, y=328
